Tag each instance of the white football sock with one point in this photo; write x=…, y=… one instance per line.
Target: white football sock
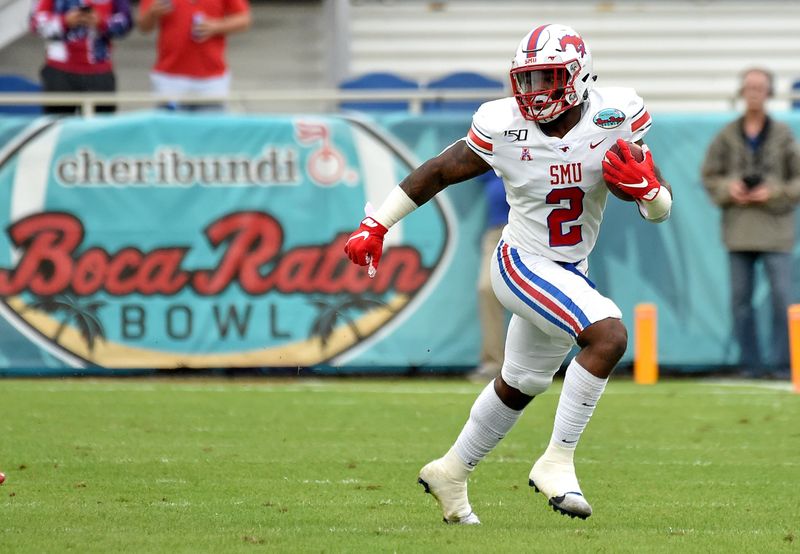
x=489, y=421
x=579, y=396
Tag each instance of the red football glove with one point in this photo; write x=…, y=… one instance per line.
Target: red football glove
x=636, y=178
x=365, y=245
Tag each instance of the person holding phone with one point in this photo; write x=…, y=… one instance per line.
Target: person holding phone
x=79, y=35
x=752, y=172
x=190, y=51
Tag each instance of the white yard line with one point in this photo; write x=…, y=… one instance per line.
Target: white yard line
x=750, y=383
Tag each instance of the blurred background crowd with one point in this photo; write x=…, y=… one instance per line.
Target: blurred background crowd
x=683, y=55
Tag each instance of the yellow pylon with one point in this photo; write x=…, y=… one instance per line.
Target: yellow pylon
x=645, y=353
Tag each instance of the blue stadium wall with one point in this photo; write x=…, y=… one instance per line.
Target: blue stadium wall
x=160, y=241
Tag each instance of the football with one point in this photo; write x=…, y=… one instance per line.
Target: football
x=638, y=155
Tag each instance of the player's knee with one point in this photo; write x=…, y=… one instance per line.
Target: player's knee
x=535, y=383
x=528, y=381
x=608, y=339
x=615, y=340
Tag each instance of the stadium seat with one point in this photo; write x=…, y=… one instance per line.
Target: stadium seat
x=796, y=90
x=377, y=81
x=17, y=83
x=460, y=80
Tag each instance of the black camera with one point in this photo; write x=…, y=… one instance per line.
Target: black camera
x=752, y=180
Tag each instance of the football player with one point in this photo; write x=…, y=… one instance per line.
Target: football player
x=550, y=144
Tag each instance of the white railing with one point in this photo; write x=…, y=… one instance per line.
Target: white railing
x=327, y=99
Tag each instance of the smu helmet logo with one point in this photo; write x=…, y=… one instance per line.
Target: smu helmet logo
x=575, y=41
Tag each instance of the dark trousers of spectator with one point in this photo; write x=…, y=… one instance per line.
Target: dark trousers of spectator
x=56, y=80
x=778, y=268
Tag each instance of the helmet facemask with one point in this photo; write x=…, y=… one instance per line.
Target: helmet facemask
x=544, y=92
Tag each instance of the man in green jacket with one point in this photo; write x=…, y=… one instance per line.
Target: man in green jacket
x=752, y=172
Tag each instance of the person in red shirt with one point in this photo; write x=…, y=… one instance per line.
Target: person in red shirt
x=79, y=35
x=191, y=43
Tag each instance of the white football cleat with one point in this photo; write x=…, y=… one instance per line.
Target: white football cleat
x=449, y=491
x=556, y=480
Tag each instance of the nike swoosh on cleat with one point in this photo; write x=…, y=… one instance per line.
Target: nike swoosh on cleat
x=643, y=184
x=361, y=235
x=568, y=442
x=588, y=405
x=593, y=146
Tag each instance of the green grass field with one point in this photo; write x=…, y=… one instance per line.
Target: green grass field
x=330, y=466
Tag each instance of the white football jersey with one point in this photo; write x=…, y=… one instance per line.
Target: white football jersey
x=555, y=186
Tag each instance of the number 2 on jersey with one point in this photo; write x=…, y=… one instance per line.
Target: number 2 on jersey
x=562, y=234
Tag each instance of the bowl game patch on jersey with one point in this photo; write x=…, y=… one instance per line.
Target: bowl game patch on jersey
x=608, y=118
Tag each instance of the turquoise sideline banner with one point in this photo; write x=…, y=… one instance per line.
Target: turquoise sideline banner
x=163, y=241
x=169, y=241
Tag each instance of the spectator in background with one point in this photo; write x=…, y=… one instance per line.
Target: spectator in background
x=191, y=44
x=752, y=171
x=492, y=312
x=79, y=35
